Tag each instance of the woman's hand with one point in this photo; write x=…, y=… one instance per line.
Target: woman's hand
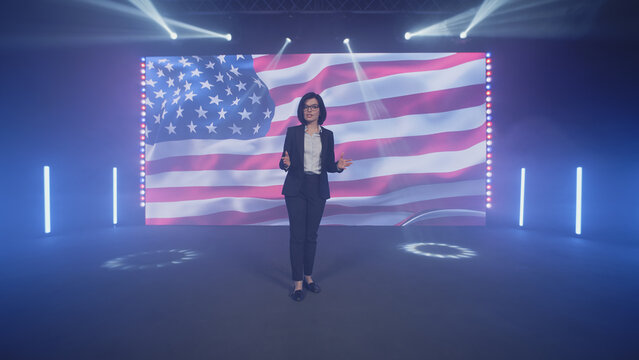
x=286, y=159
x=343, y=163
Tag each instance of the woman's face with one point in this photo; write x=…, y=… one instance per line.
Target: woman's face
x=311, y=110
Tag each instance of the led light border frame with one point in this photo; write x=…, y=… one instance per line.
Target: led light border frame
x=143, y=132
x=489, y=132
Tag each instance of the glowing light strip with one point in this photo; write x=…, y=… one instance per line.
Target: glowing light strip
x=489, y=132
x=521, y=197
x=47, y=202
x=143, y=133
x=115, y=196
x=578, y=205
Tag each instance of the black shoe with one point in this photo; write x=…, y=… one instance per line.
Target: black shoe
x=312, y=287
x=297, y=295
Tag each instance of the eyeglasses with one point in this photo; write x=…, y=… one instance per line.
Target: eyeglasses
x=311, y=107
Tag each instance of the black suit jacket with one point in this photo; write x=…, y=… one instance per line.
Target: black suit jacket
x=294, y=144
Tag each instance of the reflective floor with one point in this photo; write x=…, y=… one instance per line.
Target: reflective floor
x=387, y=293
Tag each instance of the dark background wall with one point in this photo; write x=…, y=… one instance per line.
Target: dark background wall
x=74, y=105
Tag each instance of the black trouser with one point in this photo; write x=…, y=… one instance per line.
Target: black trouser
x=304, y=215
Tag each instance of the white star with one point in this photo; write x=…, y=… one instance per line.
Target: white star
x=177, y=91
x=245, y=114
x=215, y=100
x=206, y=84
x=236, y=101
x=201, y=112
x=234, y=70
x=196, y=72
x=221, y=58
x=163, y=60
x=238, y=57
x=219, y=77
x=181, y=76
x=222, y=113
x=159, y=94
x=212, y=128
x=171, y=128
x=149, y=66
x=163, y=104
x=187, y=86
x=148, y=102
x=228, y=91
x=163, y=113
x=148, y=131
x=241, y=86
x=170, y=82
x=169, y=66
x=197, y=58
x=151, y=82
x=267, y=113
x=236, y=129
x=210, y=65
x=189, y=96
x=255, y=99
x=185, y=62
x=229, y=75
x=179, y=112
x=256, y=129
x=157, y=118
x=160, y=73
x=258, y=82
x=175, y=100
x=191, y=127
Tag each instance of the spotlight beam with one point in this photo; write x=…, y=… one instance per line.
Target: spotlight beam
x=139, y=12
x=149, y=9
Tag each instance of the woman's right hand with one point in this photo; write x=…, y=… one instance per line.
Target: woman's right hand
x=286, y=159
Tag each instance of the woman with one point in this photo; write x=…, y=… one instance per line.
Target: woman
x=307, y=157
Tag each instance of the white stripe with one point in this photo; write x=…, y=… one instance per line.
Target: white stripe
x=317, y=62
x=406, y=195
x=410, y=125
x=440, y=162
x=470, y=73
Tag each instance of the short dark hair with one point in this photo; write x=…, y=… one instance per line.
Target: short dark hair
x=322, y=108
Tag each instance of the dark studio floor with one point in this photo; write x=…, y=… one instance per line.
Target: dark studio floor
x=524, y=295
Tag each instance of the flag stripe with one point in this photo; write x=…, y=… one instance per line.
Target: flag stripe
x=440, y=162
x=279, y=212
x=365, y=187
x=356, y=150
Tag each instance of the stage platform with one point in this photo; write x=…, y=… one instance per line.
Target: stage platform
x=222, y=293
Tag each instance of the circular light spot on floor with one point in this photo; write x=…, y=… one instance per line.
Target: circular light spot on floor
x=151, y=259
x=438, y=250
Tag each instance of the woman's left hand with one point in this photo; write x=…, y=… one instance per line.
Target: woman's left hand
x=343, y=163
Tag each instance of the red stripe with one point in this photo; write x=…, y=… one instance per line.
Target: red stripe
x=279, y=212
x=422, y=103
x=366, y=187
x=356, y=150
x=262, y=63
x=339, y=74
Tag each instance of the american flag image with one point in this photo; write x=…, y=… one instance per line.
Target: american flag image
x=413, y=123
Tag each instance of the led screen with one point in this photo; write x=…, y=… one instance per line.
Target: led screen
x=413, y=123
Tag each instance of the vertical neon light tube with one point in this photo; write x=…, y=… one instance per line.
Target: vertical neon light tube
x=47, y=202
x=115, y=196
x=578, y=205
x=521, y=196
